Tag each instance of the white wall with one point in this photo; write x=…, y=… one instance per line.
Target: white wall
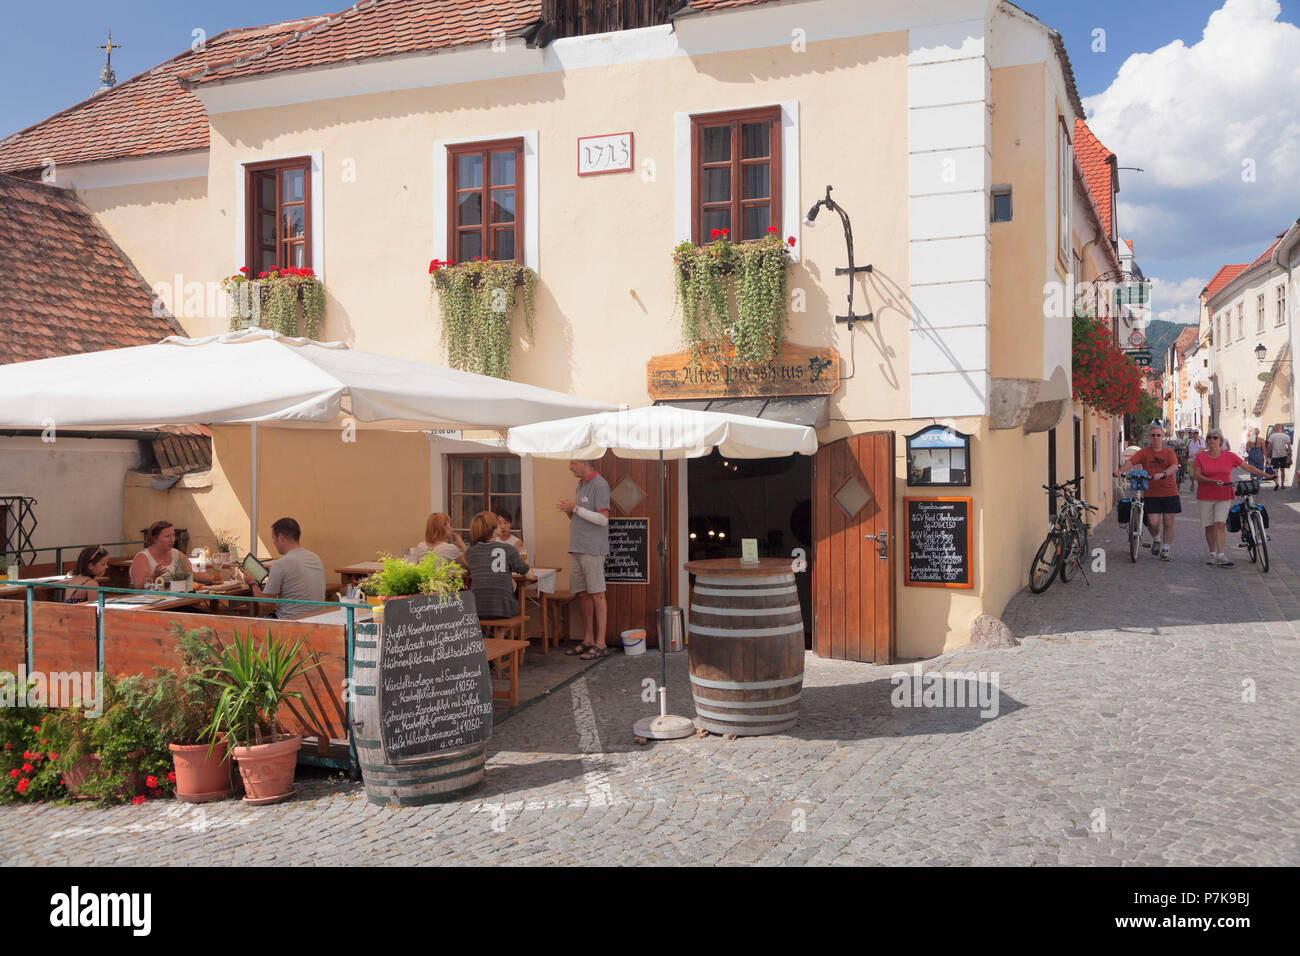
x=77, y=484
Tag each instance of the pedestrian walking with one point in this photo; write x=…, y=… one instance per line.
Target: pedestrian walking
x=1213, y=472
x=1162, y=499
x=1256, y=449
x=1279, y=452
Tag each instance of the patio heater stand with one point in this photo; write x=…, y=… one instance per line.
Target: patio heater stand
x=666, y=726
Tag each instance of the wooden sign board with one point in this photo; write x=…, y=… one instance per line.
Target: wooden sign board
x=434, y=690
x=796, y=370
x=939, y=543
x=628, y=561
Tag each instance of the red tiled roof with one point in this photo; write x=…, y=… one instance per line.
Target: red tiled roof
x=1221, y=278
x=374, y=28
x=1266, y=254
x=143, y=116
x=67, y=288
x=1098, y=164
x=1186, y=339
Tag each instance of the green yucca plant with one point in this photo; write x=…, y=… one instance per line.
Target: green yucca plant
x=254, y=684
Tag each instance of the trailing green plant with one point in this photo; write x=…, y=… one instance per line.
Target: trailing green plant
x=400, y=578
x=254, y=684
x=477, y=303
x=707, y=277
x=185, y=701
x=272, y=299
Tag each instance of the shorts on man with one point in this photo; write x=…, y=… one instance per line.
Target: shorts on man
x=1163, y=505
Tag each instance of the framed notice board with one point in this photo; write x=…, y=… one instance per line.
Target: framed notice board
x=939, y=543
x=628, y=561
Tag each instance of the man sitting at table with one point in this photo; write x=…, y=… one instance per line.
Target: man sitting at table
x=297, y=575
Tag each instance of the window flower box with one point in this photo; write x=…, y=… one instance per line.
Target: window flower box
x=289, y=301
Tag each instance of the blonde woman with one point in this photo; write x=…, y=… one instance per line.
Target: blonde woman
x=440, y=539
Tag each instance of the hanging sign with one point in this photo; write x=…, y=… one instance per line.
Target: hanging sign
x=611, y=153
x=939, y=542
x=717, y=373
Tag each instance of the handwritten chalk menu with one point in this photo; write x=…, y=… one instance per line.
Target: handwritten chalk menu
x=628, y=561
x=434, y=690
x=938, y=542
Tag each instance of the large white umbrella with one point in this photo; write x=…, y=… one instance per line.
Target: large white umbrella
x=259, y=376
x=662, y=431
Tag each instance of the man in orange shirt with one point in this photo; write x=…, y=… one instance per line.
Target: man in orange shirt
x=1162, y=499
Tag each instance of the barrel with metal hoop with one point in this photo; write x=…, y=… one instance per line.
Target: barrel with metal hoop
x=746, y=646
x=405, y=783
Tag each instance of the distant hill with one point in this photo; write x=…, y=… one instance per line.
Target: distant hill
x=1161, y=335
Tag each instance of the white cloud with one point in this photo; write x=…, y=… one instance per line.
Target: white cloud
x=1191, y=115
x=1177, y=301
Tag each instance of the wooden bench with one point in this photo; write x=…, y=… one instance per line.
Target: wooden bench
x=511, y=653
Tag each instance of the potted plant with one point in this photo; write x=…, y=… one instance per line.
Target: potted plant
x=399, y=578
x=477, y=303
x=272, y=300
x=225, y=543
x=180, y=579
x=253, y=682
x=117, y=756
x=185, y=705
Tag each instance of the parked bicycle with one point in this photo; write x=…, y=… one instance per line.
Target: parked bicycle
x=1252, y=520
x=1138, y=480
x=1065, y=548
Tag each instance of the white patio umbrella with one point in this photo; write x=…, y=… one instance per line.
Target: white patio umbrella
x=663, y=432
x=259, y=376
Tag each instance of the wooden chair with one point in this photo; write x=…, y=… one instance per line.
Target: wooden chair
x=555, y=605
x=504, y=626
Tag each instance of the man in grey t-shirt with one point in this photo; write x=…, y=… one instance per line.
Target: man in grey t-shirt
x=297, y=575
x=588, y=513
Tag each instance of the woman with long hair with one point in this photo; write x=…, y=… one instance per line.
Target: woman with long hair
x=440, y=539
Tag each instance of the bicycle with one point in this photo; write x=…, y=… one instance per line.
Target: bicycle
x=1253, y=534
x=1065, y=548
x=1138, y=480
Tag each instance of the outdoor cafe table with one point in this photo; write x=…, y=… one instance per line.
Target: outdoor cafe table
x=172, y=600
x=354, y=573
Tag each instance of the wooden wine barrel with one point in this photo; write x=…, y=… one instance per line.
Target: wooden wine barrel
x=746, y=646
x=405, y=783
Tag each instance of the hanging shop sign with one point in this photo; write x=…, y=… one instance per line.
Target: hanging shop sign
x=717, y=373
x=938, y=455
x=939, y=542
x=611, y=153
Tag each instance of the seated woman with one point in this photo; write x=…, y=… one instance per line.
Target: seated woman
x=503, y=533
x=492, y=565
x=440, y=539
x=92, y=565
x=159, y=557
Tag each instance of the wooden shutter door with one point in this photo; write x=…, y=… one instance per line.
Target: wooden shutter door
x=853, y=590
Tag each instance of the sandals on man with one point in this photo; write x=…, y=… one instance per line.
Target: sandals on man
x=594, y=653
x=578, y=651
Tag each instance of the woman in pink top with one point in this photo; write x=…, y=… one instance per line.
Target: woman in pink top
x=1213, y=472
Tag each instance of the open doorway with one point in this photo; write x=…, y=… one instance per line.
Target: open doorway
x=769, y=499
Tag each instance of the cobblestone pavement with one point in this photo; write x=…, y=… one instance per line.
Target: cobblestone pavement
x=1124, y=732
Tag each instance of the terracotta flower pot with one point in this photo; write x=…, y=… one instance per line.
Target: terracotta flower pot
x=200, y=777
x=267, y=769
x=75, y=778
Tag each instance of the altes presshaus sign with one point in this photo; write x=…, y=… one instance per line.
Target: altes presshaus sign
x=717, y=373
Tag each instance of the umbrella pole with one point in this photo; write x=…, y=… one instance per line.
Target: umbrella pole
x=666, y=726
x=252, y=486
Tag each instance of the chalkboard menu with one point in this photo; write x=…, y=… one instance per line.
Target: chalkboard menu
x=628, y=561
x=434, y=689
x=938, y=542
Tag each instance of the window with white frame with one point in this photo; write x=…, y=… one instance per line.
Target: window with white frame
x=1241, y=322
x=1280, y=298
x=1259, y=313
x=1064, y=191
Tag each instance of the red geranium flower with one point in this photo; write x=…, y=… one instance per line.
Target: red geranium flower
x=790, y=240
x=53, y=755
x=28, y=768
x=36, y=730
x=23, y=785
x=14, y=772
x=138, y=800
x=27, y=755
x=726, y=232
x=715, y=233
x=9, y=746
x=243, y=269
x=151, y=782
x=171, y=776
x=261, y=275
x=771, y=228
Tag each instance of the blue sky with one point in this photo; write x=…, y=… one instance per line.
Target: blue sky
x=1191, y=108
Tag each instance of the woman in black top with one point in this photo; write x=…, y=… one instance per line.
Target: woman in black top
x=492, y=565
x=92, y=565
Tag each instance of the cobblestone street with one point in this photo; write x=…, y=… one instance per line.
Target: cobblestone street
x=1124, y=733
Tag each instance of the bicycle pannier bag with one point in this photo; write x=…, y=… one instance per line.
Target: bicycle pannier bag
x=1234, y=519
x=1265, y=513
x=1123, y=510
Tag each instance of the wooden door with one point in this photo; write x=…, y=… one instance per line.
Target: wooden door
x=634, y=605
x=853, y=589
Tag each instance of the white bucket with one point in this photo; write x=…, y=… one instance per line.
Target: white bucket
x=634, y=641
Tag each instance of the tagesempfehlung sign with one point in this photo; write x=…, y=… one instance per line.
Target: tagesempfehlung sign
x=434, y=690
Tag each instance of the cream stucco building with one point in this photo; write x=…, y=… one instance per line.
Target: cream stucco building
x=947, y=131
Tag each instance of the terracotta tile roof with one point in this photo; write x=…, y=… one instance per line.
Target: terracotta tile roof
x=65, y=288
x=1186, y=339
x=143, y=116
x=373, y=28
x=1221, y=278
x=1266, y=254
x=1098, y=164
